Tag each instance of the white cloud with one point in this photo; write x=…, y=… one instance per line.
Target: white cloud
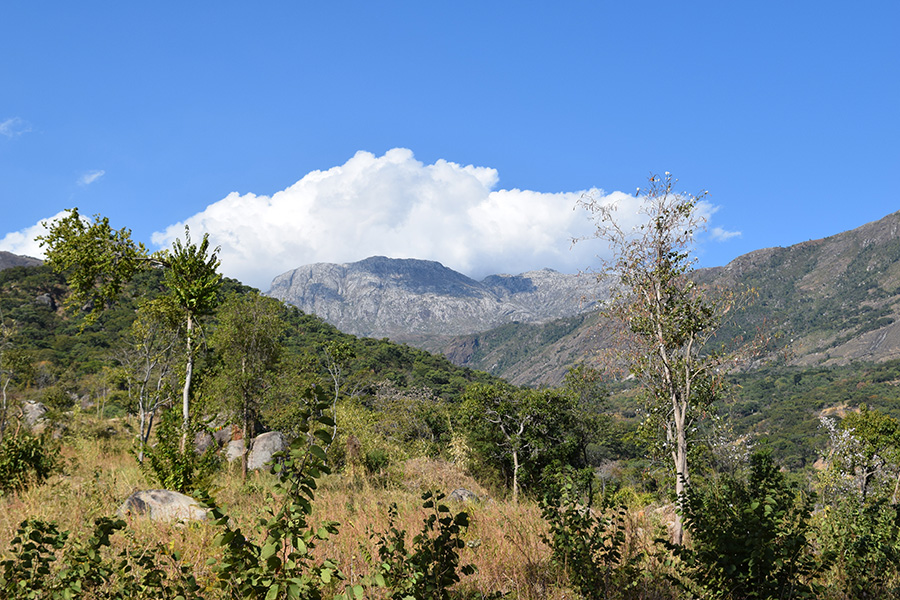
x=14, y=127
x=395, y=206
x=23, y=242
x=90, y=177
x=721, y=235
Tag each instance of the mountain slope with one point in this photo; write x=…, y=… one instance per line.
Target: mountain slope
x=405, y=298
x=8, y=260
x=825, y=302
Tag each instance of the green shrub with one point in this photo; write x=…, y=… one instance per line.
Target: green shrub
x=174, y=468
x=587, y=547
x=865, y=543
x=428, y=569
x=24, y=460
x=749, y=538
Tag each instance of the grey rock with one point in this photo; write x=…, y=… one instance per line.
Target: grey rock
x=387, y=297
x=162, y=505
x=263, y=447
x=46, y=300
x=462, y=495
x=222, y=435
x=203, y=441
x=34, y=413
x=234, y=450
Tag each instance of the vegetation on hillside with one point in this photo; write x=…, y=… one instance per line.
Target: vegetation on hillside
x=793, y=488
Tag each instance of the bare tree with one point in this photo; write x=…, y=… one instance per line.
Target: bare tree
x=149, y=362
x=667, y=319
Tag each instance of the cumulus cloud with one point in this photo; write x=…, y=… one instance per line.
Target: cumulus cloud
x=23, y=242
x=396, y=206
x=14, y=127
x=721, y=235
x=90, y=177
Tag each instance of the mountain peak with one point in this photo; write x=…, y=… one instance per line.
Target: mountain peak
x=402, y=297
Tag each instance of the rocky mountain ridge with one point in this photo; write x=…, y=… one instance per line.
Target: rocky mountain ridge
x=406, y=298
x=824, y=302
x=9, y=260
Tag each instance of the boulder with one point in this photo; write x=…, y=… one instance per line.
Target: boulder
x=162, y=505
x=462, y=495
x=223, y=435
x=234, y=450
x=203, y=441
x=263, y=447
x=33, y=413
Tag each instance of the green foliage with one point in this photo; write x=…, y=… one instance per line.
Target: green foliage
x=25, y=459
x=96, y=259
x=587, y=547
x=864, y=541
x=428, y=569
x=87, y=569
x=527, y=433
x=749, y=537
x=248, y=344
x=277, y=560
x=174, y=467
x=191, y=274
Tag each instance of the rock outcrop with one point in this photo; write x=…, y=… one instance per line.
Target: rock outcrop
x=397, y=298
x=263, y=447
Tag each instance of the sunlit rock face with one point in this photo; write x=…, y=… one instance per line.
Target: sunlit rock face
x=387, y=297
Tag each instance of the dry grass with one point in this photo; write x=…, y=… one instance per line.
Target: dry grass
x=504, y=539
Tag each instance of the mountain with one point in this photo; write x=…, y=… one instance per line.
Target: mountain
x=406, y=299
x=8, y=260
x=826, y=302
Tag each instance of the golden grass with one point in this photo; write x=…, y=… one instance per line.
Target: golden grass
x=504, y=540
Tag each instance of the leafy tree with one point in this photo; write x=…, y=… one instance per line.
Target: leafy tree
x=248, y=342
x=530, y=428
x=193, y=280
x=98, y=261
x=668, y=319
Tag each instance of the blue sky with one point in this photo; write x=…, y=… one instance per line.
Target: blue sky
x=298, y=132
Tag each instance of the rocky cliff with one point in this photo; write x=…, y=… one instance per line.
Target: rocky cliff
x=404, y=298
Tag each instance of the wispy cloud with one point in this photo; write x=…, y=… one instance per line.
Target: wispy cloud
x=14, y=127
x=90, y=177
x=721, y=235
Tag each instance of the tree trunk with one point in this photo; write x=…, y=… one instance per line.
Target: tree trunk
x=186, y=392
x=515, y=456
x=679, y=454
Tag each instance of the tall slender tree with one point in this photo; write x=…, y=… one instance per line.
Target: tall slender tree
x=191, y=274
x=667, y=319
x=98, y=261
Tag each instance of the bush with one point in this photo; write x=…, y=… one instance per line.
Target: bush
x=587, y=547
x=749, y=538
x=174, y=469
x=24, y=460
x=864, y=540
x=431, y=566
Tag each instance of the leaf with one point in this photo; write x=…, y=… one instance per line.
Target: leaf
x=317, y=452
x=267, y=551
x=273, y=592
